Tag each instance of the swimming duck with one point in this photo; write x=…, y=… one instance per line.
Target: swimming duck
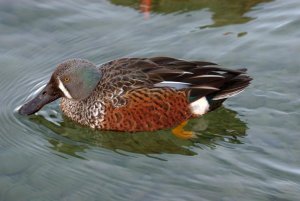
x=138, y=94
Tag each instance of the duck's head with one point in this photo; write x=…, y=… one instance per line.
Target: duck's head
x=73, y=79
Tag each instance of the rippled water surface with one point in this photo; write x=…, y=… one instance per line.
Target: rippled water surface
x=247, y=150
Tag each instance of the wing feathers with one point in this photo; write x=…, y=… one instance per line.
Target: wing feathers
x=200, y=77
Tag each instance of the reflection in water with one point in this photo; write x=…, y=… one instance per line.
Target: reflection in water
x=221, y=125
x=225, y=12
x=145, y=7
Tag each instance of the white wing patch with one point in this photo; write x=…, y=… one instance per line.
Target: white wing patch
x=63, y=89
x=176, y=85
x=200, y=106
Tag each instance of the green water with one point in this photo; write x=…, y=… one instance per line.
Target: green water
x=247, y=150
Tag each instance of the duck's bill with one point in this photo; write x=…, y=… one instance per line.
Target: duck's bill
x=47, y=95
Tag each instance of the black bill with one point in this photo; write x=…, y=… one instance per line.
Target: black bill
x=47, y=95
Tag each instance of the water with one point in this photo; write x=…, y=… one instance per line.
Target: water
x=247, y=150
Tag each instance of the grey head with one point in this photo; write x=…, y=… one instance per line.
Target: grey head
x=73, y=79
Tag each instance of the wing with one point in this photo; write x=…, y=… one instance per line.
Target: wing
x=200, y=78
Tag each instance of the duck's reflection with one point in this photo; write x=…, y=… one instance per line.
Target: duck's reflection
x=225, y=12
x=213, y=128
x=145, y=8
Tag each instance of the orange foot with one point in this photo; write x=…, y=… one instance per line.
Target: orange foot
x=181, y=133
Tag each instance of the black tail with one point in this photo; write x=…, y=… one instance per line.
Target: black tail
x=233, y=86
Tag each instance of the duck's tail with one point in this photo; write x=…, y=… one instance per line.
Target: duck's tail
x=232, y=84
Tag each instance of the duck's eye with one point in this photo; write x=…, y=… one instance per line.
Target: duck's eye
x=66, y=79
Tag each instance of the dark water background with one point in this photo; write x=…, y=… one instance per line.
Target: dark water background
x=247, y=150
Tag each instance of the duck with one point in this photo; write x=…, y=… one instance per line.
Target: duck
x=139, y=94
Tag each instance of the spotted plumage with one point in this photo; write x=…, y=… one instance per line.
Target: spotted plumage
x=139, y=94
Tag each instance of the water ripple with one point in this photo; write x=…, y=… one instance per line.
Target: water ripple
x=247, y=153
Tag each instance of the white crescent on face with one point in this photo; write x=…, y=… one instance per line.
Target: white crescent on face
x=63, y=89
